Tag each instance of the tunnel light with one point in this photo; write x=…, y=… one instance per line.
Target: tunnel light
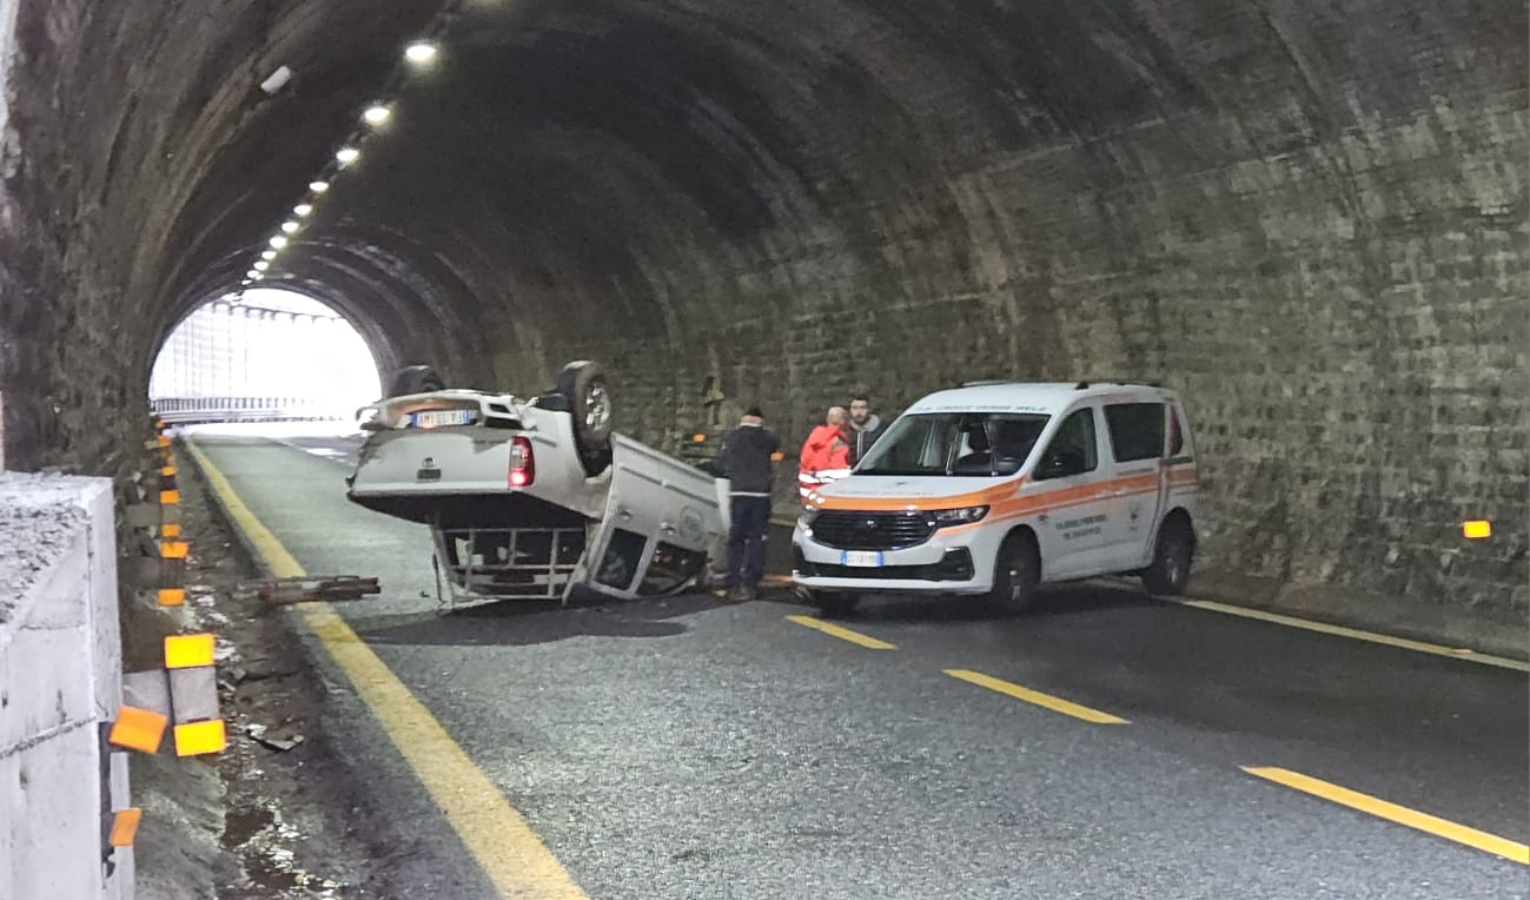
x=420, y=52
x=289, y=226
x=257, y=276
x=302, y=209
x=318, y=187
x=269, y=254
x=347, y=155
x=376, y=115
x=262, y=266
x=278, y=242
x=277, y=80
x=252, y=274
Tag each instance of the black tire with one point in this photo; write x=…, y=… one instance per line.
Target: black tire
x=835, y=604
x=583, y=384
x=1016, y=573
x=416, y=380
x=1169, y=572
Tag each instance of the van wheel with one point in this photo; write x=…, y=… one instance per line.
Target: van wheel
x=584, y=385
x=836, y=604
x=1169, y=572
x=415, y=380
x=1016, y=574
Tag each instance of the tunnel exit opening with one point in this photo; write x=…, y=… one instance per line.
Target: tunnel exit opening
x=266, y=361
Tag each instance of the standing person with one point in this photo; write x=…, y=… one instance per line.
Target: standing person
x=748, y=462
x=827, y=449
x=865, y=427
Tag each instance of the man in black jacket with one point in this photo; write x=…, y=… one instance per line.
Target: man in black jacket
x=865, y=427
x=748, y=462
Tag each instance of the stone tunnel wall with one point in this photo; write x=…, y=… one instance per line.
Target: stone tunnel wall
x=1314, y=227
x=1336, y=285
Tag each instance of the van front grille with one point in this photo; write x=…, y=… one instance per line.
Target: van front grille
x=871, y=530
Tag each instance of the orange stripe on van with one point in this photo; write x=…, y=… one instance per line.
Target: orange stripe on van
x=987, y=497
x=1002, y=500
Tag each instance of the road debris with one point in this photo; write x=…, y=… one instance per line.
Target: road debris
x=312, y=588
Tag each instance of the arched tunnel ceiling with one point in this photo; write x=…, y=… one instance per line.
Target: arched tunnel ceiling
x=1308, y=217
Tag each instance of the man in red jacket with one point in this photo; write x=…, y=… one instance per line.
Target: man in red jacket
x=826, y=451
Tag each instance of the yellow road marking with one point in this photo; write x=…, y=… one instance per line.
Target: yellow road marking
x=511, y=854
x=1486, y=659
x=1461, y=834
x=844, y=634
x=1056, y=704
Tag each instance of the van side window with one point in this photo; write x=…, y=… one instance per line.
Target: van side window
x=1074, y=449
x=1136, y=430
x=1176, y=433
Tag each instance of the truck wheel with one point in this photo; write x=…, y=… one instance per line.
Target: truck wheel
x=1016, y=573
x=1169, y=572
x=585, y=386
x=415, y=380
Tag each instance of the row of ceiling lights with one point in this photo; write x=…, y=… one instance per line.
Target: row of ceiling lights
x=419, y=54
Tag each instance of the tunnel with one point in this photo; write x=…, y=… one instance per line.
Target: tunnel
x=1308, y=218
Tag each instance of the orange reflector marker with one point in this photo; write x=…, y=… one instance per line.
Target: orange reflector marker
x=174, y=549
x=699, y=438
x=169, y=498
x=125, y=826
x=184, y=651
x=164, y=440
x=172, y=596
x=138, y=729
x=170, y=530
x=778, y=456
x=198, y=738
x=167, y=471
x=1478, y=529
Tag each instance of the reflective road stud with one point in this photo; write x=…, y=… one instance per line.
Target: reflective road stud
x=197, y=738
x=1477, y=530
x=125, y=826
x=172, y=596
x=138, y=729
x=185, y=651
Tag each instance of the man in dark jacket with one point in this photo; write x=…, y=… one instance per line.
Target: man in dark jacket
x=748, y=462
x=865, y=427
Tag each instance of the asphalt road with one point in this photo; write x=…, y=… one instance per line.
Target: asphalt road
x=692, y=749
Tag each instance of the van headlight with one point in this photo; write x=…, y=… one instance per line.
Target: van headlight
x=966, y=515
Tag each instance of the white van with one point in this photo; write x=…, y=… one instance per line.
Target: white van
x=995, y=488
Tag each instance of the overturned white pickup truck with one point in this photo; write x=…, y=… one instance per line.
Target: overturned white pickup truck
x=537, y=497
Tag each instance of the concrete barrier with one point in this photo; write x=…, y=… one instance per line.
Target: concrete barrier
x=60, y=687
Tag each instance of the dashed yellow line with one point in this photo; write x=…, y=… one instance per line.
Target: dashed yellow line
x=844, y=634
x=1056, y=704
x=512, y=856
x=1402, y=815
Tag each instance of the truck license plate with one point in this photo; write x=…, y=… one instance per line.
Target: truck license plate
x=861, y=558
x=438, y=417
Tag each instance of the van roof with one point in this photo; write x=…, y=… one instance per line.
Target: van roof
x=1030, y=396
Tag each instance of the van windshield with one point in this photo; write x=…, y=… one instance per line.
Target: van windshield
x=960, y=444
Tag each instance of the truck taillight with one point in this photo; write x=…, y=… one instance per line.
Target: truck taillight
x=523, y=463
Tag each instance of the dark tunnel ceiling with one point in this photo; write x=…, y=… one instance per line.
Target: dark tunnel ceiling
x=556, y=142
x=1308, y=215
x=576, y=148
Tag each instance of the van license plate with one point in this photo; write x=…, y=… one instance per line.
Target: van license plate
x=439, y=417
x=860, y=558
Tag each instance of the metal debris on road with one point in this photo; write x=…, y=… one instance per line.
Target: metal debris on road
x=306, y=589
